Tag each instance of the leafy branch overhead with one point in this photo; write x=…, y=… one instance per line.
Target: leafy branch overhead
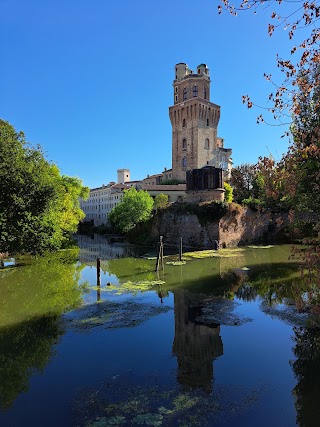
x=304, y=55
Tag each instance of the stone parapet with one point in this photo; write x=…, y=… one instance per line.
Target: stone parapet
x=216, y=195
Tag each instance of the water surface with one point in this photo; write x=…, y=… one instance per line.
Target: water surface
x=216, y=341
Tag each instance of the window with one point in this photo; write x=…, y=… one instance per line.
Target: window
x=206, y=144
x=207, y=122
x=185, y=94
x=184, y=123
x=205, y=93
x=176, y=98
x=184, y=144
x=195, y=91
x=176, y=89
x=184, y=162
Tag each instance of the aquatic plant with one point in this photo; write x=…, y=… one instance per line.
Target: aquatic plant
x=176, y=262
x=129, y=287
x=221, y=253
x=111, y=315
x=122, y=402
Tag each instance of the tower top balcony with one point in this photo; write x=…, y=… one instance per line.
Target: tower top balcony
x=182, y=70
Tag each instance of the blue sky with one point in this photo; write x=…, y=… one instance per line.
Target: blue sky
x=91, y=81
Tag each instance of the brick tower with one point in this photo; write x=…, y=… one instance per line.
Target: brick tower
x=194, y=121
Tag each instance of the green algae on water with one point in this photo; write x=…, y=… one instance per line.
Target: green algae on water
x=221, y=253
x=129, y=287
x=260, y=247
x=176, y=262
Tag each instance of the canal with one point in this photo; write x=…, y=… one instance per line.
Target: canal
x=220, y=338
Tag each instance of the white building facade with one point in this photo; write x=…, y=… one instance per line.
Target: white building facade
x=101, y=201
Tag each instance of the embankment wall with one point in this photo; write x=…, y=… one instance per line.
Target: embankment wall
x=239, y=225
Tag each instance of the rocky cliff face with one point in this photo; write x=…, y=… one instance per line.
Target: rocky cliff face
x=236, y=225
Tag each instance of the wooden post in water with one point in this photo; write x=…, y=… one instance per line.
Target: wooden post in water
x=98, y=280
x=159, y=254
x=180, y=249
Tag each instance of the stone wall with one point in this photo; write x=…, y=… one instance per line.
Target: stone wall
x=172, y=226
x=205, y=195
x=239, y=226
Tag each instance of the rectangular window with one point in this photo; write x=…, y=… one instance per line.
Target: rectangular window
x=195, y=91
x=184, y=162
x=185, y=94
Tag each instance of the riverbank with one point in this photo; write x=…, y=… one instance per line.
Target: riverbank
x=200, y=225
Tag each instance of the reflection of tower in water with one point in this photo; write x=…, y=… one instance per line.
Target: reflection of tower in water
x=196, y=345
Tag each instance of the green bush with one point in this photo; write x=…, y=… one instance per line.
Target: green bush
x=253, y=203
x=228, y=195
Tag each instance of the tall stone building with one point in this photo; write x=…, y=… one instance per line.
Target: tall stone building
x=194, y=120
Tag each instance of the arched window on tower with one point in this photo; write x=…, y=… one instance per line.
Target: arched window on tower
x=195, y=91
x=184, y=123
x=207, y=144
x=207, y=122
x=184, y=144
x=185, y=94
x=184, y=162
x=205, y=93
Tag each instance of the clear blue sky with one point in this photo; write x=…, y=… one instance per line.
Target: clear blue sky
x=91, y=81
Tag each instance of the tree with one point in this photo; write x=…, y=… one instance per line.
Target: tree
x=304, y=55
x=228, y=196
x=39, y=208
x=243, y=181
x=136, y=206
x=295, y=179
x=161, y=201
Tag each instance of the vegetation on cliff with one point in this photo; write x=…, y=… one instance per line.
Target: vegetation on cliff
x=205, y=211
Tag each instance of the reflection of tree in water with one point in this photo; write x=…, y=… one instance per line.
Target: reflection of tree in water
x=25, y=349
x=274, y=284
x=307, y=372
x=32, y=297
x=196, y=345
x=133, y=269
x=47, y=285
